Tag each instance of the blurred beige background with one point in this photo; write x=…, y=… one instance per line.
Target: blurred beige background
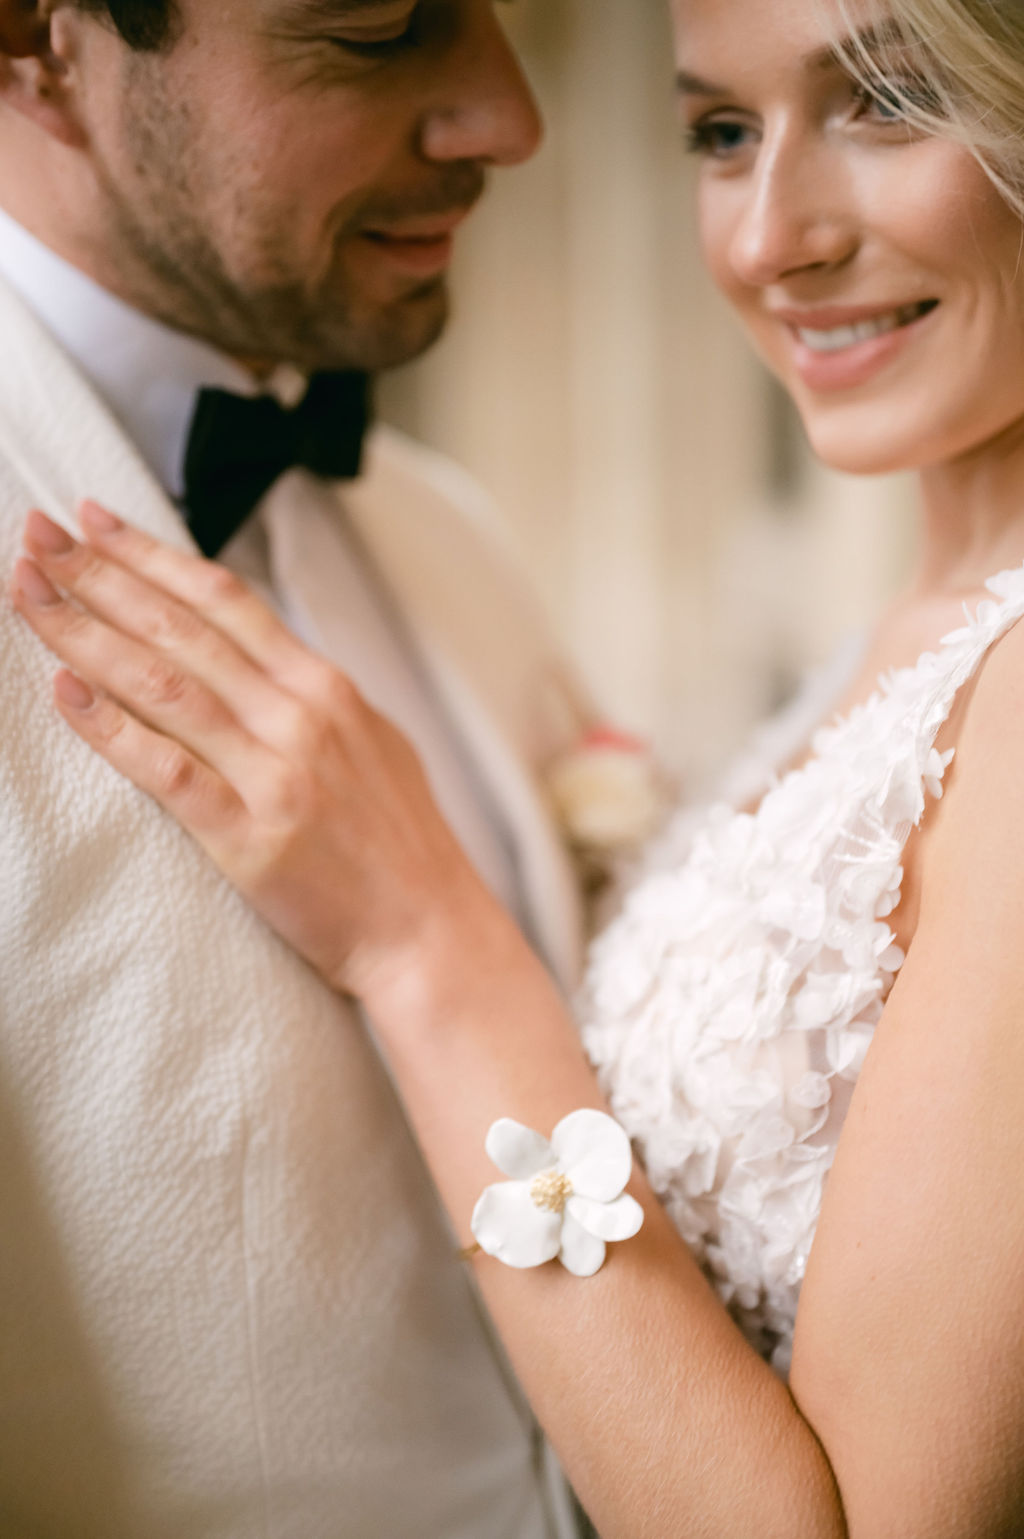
x=694, y=558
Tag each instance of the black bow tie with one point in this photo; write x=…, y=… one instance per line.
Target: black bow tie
x=238, y=446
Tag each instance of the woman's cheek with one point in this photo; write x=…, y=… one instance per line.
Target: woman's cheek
x=720, y=212
x=714, y=230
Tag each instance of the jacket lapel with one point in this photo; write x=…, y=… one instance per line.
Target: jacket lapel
x=62, y=440
x=490, y=657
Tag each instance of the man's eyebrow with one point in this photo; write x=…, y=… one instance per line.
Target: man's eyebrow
x=342, y=10
x=333, y=10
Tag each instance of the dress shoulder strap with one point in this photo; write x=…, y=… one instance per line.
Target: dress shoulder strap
x=882, y=755
x=963, y=651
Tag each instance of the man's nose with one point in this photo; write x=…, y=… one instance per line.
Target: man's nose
x=794, y=217
x=488, y=112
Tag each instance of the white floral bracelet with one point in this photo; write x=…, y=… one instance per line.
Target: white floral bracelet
x=566, y=1197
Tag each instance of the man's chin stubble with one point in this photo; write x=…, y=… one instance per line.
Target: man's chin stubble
x=176, y=276
x=283, y=323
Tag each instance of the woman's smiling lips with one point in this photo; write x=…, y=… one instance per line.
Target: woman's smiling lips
x=839, y=348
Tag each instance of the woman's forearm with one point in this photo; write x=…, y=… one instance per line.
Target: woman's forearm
x=666, y=1420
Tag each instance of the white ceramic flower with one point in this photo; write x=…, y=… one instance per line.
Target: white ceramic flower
x=566, y=1198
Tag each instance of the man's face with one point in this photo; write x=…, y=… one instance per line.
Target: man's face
x=285, y=179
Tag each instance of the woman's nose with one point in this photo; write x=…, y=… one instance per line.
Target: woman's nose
x=794, y=217
x=489, y=113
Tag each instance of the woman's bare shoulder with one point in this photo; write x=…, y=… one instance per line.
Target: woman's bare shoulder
x=914, y=1281
x=982, y=814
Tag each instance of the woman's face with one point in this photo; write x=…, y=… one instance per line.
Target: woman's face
x=880, y=275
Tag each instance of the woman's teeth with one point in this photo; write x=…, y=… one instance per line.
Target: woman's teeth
x=848, y=336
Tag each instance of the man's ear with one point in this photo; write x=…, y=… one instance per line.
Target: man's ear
x=24, y=29
x=34, y=70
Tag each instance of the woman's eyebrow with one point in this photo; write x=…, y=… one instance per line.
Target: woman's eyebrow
x=870, y=40
x=693, y=85
x=866, y=43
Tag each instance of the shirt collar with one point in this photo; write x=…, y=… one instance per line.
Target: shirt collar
x=147, y=373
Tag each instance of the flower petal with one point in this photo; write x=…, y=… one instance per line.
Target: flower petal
x=518, y=1151
x=507, y=1224
x=618, y=1220
x=581, y=1253
x=594, y=1152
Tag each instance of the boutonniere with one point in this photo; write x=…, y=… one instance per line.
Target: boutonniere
x=609, y=796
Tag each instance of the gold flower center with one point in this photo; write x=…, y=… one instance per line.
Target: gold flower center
x=551, y=1191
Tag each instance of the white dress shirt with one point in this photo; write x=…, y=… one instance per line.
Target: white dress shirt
x=149, y=376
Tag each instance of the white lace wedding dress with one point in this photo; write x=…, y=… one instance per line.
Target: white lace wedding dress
x=729, y=1006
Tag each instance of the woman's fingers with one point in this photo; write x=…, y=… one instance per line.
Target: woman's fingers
x=330, y=832
x=154, y=688
x=147, y=613
x=200, y=799
x=212, y=592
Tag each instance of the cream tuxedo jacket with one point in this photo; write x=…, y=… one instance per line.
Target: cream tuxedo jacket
x=229, y=1306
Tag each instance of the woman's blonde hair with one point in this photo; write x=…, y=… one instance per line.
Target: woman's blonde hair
x=950, y=67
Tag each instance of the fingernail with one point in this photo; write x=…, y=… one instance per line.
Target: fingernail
x=73, y=692
x=35, y=585
x=99, y=519
x=42, y=531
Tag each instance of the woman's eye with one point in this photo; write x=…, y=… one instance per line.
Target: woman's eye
x=880, y=102
x=886, y=103
x=718, y=138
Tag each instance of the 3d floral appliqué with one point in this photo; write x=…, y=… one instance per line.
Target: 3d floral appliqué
x=566, y=1197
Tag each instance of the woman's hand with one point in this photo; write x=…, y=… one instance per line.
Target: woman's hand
x=310, y=803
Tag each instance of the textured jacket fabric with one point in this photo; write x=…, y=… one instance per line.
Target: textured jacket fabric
x=229, y=1306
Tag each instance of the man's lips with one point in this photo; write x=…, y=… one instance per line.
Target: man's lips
x=425, y=228
x=421, y=246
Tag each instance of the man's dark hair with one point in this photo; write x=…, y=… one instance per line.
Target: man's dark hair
x=144, y=24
